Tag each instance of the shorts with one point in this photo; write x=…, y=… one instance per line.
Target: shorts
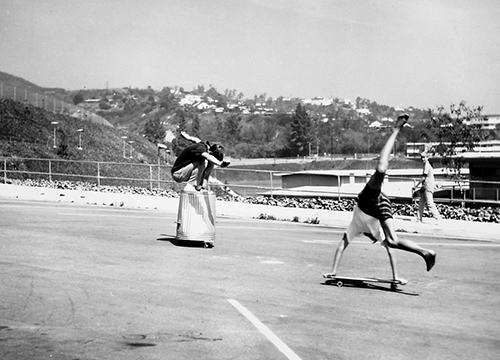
x=189, y=173
x=363, y=223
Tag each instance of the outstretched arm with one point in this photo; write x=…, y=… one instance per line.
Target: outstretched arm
x=214, y=160
x=186, y=136
x=338, y=254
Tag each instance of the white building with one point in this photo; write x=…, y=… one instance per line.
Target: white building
x=489, y=122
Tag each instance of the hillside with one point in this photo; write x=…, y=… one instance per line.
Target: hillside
x=26, y=85
x=27, y=131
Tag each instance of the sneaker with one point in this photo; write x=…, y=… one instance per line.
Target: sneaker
x=401, y=121
x=402, y=281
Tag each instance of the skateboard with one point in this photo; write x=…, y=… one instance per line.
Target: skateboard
x=187, y=243
x=360, y=281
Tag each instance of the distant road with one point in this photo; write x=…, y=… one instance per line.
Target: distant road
x=302, y=160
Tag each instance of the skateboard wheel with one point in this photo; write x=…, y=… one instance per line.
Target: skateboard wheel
x=340, y=283
x=394, y=286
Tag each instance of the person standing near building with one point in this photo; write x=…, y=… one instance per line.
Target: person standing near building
x=427, y=186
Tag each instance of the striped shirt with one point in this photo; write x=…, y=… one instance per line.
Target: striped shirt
x=375, y=203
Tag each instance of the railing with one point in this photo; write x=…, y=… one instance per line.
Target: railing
x=243, y=182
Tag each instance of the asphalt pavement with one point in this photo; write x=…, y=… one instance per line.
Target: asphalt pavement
x=455, y=229
x=88, y=276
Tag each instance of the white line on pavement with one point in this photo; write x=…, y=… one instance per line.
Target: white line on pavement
x=470, y=244
x=115, y=215
x=265, y=330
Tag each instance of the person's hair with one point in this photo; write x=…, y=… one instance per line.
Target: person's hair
x=217, y=150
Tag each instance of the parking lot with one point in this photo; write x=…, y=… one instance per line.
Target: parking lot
x=91, y=282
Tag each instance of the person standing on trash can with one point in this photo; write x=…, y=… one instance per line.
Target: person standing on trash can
x=196, y=162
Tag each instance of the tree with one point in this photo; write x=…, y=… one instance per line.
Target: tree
x=455, y=130
x=231, y=129
x=179, y=143
x=195, y=126
x=167, y=99
x=300, y=131
x=77, y=99
x=153, y=130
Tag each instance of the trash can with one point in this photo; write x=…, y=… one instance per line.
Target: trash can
x=196, y=216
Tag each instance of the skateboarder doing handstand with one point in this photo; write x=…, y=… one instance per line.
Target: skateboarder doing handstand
x=372, y=215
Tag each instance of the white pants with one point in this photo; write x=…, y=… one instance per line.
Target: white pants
x=427, y=198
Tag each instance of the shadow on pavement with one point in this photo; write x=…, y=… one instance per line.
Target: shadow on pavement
x=187, y=243
x=371, y=287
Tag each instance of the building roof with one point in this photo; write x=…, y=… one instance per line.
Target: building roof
x=360, y=172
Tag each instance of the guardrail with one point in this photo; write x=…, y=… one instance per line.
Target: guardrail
x=244, y=182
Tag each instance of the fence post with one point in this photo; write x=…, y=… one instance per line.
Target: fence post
x=159, y=174
x=98, y=174
x=338, y=185
x=151, y=177
x=271, y=177
x=50, y=170
x=5, y=171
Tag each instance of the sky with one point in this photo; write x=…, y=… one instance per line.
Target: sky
x=420, y=53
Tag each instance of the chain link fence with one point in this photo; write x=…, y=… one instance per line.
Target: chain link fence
x=243, y=182
x=49, y=103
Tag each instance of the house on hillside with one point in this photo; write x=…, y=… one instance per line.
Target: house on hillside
x=318, y=101
x=92, y=101
x=375, y=125
x=363, y=111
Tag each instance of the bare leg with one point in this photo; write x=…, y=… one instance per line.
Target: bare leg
x=338, y=254
x=200, y=171
x=206, y=174
x=406, y=245
x=377, y=179
x=392, y=261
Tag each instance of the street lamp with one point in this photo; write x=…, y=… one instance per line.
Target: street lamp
x=131, y=142
x=80, y=139
x=160, y=147
x=55, y=126
x=124, y=138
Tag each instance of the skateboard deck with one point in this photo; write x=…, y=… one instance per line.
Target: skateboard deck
x=343, y=280
x=192, y=243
